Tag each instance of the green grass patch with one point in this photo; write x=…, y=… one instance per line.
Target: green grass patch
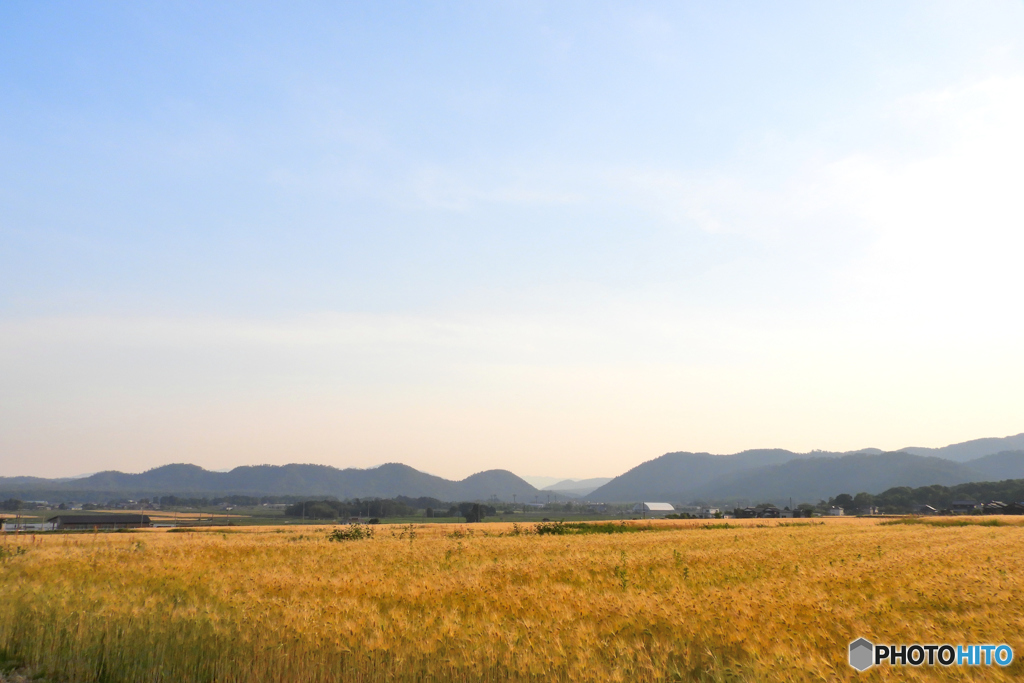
x=945, y=522
x=581, y=528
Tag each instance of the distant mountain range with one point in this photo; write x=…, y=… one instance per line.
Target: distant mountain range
x=769, y=475
x=386, y=481
x=577, y=488
x=540, y=482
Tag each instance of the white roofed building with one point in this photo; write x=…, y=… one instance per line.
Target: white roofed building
x=654, y=509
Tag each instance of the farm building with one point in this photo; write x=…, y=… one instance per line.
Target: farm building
x=999, y=508
x=964, y=506
x=61, y=522
x=764, y=511
x=654, y=509
x=927, y=510
x=836, y=511
x=11, y=524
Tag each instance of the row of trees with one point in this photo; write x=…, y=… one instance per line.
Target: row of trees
x=896, y=500
x=330, y=509
x=248, y=501
x=335, y=509
x=902, y=499
x=13, y=505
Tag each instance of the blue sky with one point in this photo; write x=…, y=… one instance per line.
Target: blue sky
x=558, y=238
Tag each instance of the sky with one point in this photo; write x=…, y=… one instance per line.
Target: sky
x=559, y=238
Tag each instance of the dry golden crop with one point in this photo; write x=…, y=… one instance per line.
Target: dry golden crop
x=768, y=601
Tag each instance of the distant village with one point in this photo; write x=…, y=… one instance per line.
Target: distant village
x=72, y=517
x=768, y=511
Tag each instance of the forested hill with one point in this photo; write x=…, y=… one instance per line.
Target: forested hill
x=386, y=481
x=679, y=476
x=813, y=479
x=780, y=475
x=971, y=450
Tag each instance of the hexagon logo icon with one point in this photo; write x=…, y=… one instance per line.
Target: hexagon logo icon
x=861, y=654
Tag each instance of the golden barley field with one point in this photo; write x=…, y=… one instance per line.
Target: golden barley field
x=759, y=600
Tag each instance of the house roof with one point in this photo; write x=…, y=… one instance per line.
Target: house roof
x=656, y=507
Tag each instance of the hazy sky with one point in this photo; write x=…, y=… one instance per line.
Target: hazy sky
x=559, y=238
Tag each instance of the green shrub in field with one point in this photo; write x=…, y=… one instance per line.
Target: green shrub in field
x=353, y=532
x=563, y=528
x=6, y=552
